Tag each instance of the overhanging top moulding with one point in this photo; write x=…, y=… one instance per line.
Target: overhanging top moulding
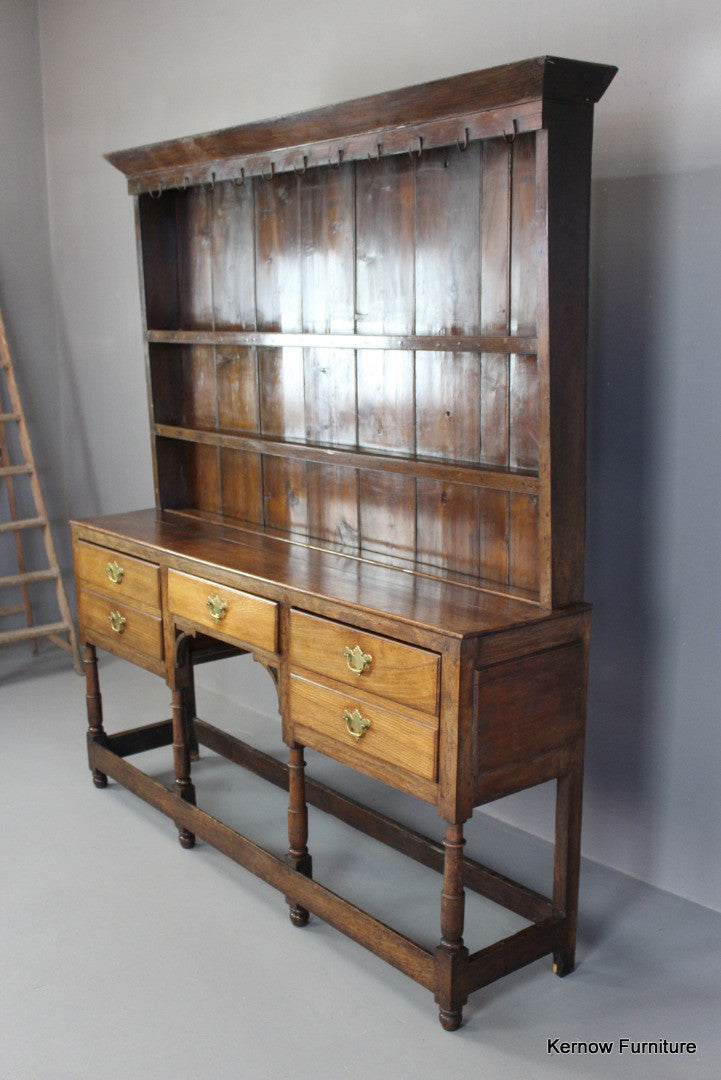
x=439, y=110
x=384, y=142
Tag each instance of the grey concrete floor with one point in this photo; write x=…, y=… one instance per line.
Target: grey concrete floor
x=125, y=956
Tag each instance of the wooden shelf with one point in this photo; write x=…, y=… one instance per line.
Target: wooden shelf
x=520, y=345
x=497, y=478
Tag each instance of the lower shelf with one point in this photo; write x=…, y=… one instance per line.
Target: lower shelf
x=107, y=755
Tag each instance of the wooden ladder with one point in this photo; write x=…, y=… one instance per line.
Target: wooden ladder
x=62, y=632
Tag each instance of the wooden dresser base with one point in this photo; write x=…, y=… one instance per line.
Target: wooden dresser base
x=451, y=972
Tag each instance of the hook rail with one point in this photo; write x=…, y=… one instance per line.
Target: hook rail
x=375, y=145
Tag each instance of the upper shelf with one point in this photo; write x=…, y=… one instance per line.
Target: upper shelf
x=482, y=104
x=518, y=344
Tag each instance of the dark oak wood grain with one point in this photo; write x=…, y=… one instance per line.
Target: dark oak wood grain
x=480, y=104
x=364, y=333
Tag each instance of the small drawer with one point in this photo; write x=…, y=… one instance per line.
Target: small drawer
x=325, y=719
x=124, y=628
x=117, y=575
x=251, y=620
x=402, y=673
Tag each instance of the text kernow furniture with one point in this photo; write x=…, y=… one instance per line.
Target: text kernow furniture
x=365, y=336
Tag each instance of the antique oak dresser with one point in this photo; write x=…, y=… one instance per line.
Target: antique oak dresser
x=365, y=336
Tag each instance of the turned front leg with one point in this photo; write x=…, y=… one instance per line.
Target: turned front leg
x=94, y=702
x=452, y=955
x=181, y=760
x=186, y=678
x=298, y=856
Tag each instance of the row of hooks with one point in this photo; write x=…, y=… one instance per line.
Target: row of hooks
x=415, y=152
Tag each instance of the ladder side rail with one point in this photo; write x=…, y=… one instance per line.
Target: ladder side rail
x=17, y=534
x=6, y=364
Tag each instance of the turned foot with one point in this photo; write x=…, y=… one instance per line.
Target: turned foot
x=302, y=864
x=186, y=838
x=99, y=779
x=450, y=1019
x=299, y=916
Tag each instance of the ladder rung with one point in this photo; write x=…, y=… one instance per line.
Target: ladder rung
x=15, y=470
x=25, y=523
x=5, y=416
x=30, y=575
x=33, y=632
x=61, y=642
x=15, y=609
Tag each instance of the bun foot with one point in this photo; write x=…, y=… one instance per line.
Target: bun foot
x=298, y=915
x=450, y=1019
x=99, y=779
x=186, y=838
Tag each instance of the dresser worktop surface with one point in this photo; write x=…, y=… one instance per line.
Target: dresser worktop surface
x=267, y=564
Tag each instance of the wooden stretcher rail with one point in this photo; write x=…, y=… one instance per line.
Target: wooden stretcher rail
x=516, y=951
x=485, y=966
x=394, y=948
x=486, y=882
x=137, y=740
x=501, y=890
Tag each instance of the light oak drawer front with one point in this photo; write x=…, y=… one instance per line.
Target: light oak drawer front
x=249, y=619
x=396, y=740
x=365, y=662
x=118, y=575
x=125, y=628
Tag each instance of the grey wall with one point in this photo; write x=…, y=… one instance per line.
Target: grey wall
x=26, y=284
x=120, y=73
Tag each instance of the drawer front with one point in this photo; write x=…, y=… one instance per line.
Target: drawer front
x=365, y=662
x=130, y=580
x=250, y=619
x=125, y=628
x=400, y=741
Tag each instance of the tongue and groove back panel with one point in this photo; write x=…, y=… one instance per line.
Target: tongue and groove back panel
x=425, y=244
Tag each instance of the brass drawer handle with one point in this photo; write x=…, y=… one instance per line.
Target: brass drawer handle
x=115, y=572
x=216, y=607
x=356, y=659
x=356, y=725
x=117, y=621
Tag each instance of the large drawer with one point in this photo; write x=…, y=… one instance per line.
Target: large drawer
x=119, y=576
x=324, y=720
x=251, y=620
x=364, y=661
x=125, y=629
